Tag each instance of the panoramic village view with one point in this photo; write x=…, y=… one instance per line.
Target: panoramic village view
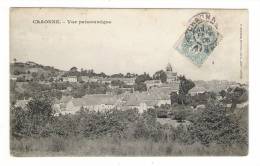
x=83, y=113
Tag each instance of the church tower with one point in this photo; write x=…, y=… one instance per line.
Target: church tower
x=171, y=76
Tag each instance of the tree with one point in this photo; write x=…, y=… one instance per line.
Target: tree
x=33, y=120
x=129, y=75
x=74, y=69
x=142, y=78
x=34, y=75
x=51, y=79
x=119, y=75
x=139, y=82
x=102, y=74
x=174, y=97
x=42, y=77
x=238, y=95
x=222, y=93
x=41, y=107
x=78, y=92
x=18, y=121
x=184, y=87
x=160, y=75
x=117, y=83
x=215, y=125
x=180, y=115
x=140, y=87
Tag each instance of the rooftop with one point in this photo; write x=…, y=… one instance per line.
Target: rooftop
x=198, y=89
x=95, y=99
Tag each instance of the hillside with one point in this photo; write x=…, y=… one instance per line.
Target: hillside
x=33, y=69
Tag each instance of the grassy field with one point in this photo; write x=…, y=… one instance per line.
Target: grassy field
x=56, y=146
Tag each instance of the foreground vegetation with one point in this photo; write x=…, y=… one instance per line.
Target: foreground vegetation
x=215, y=130
x=206, y=125
x=81, y=146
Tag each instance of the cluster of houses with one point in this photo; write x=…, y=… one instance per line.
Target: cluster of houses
x=157, y=94
x=171, y=78
x=103, y=102
x=127, y=81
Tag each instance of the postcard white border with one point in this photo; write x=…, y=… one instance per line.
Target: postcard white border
x=254, y=82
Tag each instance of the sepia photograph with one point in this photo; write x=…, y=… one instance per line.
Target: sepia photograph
x=128, y=82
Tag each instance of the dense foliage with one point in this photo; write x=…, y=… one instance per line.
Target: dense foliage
x=160, y=75
x=183, y=97
x=215, y=124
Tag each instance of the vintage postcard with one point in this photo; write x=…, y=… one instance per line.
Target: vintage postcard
x=128, y=82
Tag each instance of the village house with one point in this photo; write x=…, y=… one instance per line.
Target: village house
x=57, y=78
x=153, y=83
x=95, y=102
x=64, y=106
x=85, y=78
x=98, y=102
x=105, y=81
x=174, y=86
x=91, y=79
x=197, y=90
x=158, y=97
x=145, y=100
x=135, y=102
x=102, y=102
x=70, y=79
x=128, y=81
x=113, y=86
x=161, y=96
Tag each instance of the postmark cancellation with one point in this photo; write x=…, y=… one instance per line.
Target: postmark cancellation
x=200, y=38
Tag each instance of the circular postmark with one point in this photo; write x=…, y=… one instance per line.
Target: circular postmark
x=201, y=34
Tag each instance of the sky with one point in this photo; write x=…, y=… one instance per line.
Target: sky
x=136, y=41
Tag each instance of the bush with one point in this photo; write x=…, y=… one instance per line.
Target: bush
x=181, y=113
x=183, y=136
x=35, y=119
x=162, y=113
x=216, y=125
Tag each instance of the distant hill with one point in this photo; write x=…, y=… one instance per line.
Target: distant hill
x=215, y=85
x=28, y=68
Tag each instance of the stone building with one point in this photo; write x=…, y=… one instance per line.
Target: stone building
x=70, y=79
x=171, y=76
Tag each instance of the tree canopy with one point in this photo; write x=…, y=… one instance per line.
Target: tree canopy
x=160, y=75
